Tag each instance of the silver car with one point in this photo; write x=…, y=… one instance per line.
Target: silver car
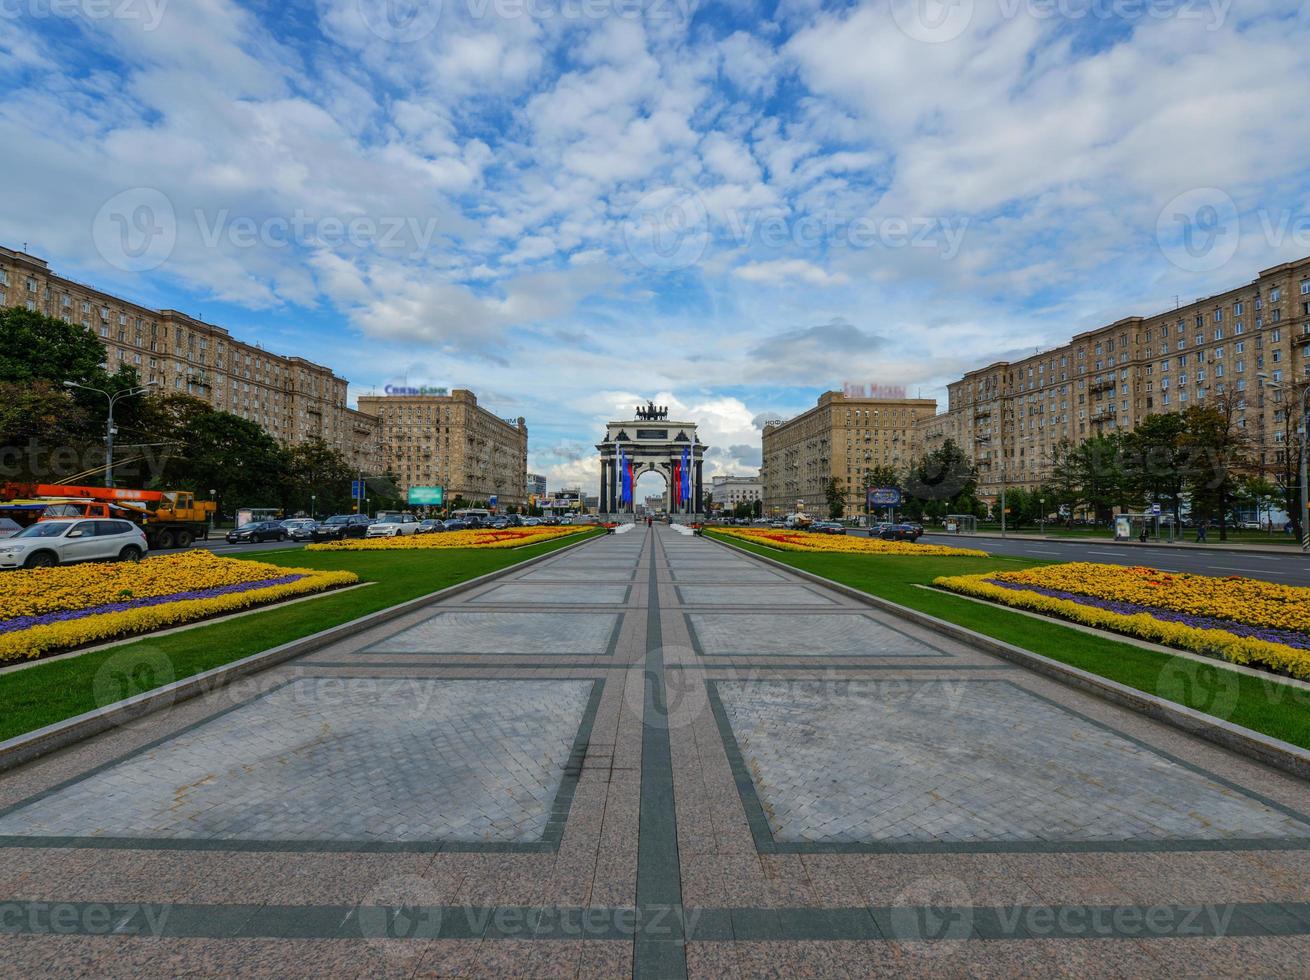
x=68, y=540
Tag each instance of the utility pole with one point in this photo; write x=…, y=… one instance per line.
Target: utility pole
x=110, y=431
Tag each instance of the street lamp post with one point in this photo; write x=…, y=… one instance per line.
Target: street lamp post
x=1042, y=518
x=313, y=505
x=112, y=398
x=1302, y=523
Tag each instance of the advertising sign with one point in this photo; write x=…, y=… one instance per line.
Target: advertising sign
x=426, y=496
x=857, y=390
x=884, y=497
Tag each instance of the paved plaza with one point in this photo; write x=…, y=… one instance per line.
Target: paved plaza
x=651, y=755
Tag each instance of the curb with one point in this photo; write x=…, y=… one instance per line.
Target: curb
x=1271, y=751
x=24, y=748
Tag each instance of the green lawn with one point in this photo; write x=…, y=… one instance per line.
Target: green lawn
x=1261, y=704
x=51, y=692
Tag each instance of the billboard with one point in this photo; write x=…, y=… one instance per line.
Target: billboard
x=426, y=496
x=856, y=390
x=884, y=497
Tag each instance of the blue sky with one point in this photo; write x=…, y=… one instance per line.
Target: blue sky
x=570, y=206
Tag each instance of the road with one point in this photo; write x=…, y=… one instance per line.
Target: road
x=220, y=547
x=1292, y=569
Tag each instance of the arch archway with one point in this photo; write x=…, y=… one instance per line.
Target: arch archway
x=651, y=442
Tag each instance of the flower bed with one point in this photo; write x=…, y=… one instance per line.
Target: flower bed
x=1241, y=620
x=50, y=609
x=512, y=537
x=843, y=544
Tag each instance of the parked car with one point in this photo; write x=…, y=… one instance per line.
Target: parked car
x=430, y=525
x=300, y=528
x=532, y=522
x=342, y=526
x=257, y=531
x=900, y=532
x=455, y=524
x=1251, y=526
x=63, y=541
x=827, y=527
x=9, y=528
x=497, y=523
x=392, y=525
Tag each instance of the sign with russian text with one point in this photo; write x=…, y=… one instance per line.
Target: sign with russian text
x=851, y=390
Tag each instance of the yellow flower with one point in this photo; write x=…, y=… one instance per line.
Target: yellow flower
x=1210, y=642
x=45, y=592
x=513, y=537
x=843, y=543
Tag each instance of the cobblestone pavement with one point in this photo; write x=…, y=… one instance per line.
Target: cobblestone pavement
x=650, y=755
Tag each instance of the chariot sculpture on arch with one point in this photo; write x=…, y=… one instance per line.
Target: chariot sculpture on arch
x=651, y=442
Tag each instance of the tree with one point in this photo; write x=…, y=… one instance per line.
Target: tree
x=1218, y=455
x=1285, y=470
x=1256, y=493
x=1063, y=487
x=43, y=432
x=944, y=481
x=35, y=347
x=221, y=452
x=1022, y=506
x=316, y=470
x=836, y=499
x=1099, y=466
x=1156, y=461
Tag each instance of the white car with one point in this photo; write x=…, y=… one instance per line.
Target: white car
x=532, y=522
x=393, y=526
x=68, y=540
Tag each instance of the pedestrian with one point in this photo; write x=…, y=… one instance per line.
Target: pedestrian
x=1201, y=527
x=1142, y=537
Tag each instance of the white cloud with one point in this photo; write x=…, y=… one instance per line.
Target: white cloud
x=782, y=270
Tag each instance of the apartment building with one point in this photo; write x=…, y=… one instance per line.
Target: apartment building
x=840, y=438
x=726, y=492
x=1008, y=416
x=291, y=398
x=452, y=442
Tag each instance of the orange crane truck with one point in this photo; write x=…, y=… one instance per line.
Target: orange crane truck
x=170, y=518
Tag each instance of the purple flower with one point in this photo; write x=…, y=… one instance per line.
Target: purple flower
x=1290, y=638
x=27, y=622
